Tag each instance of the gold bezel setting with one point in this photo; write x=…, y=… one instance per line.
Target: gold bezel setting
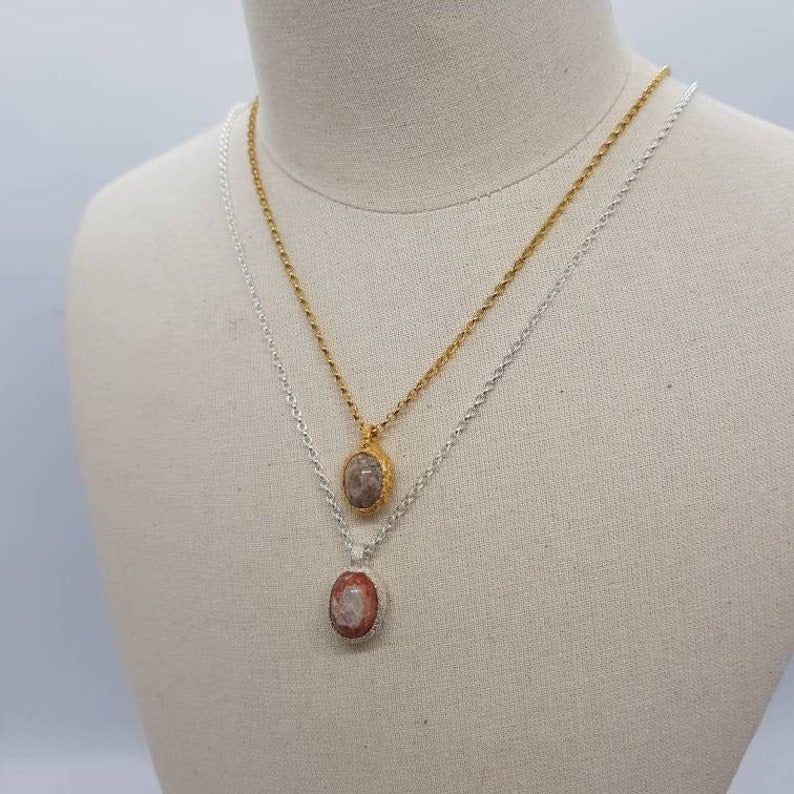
x=370, y=446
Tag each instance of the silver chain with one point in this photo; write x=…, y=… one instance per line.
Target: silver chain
x=362, y=552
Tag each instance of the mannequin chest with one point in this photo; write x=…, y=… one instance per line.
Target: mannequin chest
x=593, y=592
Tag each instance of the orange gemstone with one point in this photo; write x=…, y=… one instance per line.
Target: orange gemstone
x=353, y=605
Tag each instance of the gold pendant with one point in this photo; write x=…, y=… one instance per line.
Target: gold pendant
x=367, y=474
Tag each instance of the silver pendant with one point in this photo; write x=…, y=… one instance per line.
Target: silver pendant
x=356, y=604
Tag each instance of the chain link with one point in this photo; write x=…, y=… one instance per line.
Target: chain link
x=484, y=307
x=362, y=552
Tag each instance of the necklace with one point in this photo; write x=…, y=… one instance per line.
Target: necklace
x=357, y=601
x=367, y=471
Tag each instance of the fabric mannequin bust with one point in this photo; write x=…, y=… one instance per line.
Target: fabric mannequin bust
x=594, y=594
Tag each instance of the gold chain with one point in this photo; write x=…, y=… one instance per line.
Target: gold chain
x=371, y=430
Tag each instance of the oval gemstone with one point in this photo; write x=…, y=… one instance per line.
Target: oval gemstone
x=353, y=606
x=363, y=480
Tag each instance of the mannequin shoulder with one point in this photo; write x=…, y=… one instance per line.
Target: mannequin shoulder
x=148, y=251
x=747, y=159
x=167, y=202
x=726, y=186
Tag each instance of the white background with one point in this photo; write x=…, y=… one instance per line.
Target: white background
x=90, y=89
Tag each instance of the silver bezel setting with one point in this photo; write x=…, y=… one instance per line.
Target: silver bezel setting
x=380, y=591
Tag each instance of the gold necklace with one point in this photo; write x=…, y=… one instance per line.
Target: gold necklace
x=367, y=471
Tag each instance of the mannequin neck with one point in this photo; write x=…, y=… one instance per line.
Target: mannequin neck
x=414, y=105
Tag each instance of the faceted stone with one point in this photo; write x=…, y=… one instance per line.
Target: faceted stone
x=363, y=480
x=353, y=605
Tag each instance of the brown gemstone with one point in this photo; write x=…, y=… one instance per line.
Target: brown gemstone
x=363, y=480
x=353, y=606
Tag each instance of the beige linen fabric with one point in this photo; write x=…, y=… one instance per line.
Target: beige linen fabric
x=595, y=592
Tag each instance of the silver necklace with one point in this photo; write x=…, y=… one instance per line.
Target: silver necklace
x=358, y=600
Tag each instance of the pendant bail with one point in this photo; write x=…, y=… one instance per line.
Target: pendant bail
x=369, y=434
x=357, y=555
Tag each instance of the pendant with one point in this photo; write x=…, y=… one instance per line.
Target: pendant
x=356, y=604
x=367, y=474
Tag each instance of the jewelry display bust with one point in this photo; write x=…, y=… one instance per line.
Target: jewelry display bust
x=595, y=593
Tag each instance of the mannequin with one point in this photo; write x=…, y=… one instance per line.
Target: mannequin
x=594, y=594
